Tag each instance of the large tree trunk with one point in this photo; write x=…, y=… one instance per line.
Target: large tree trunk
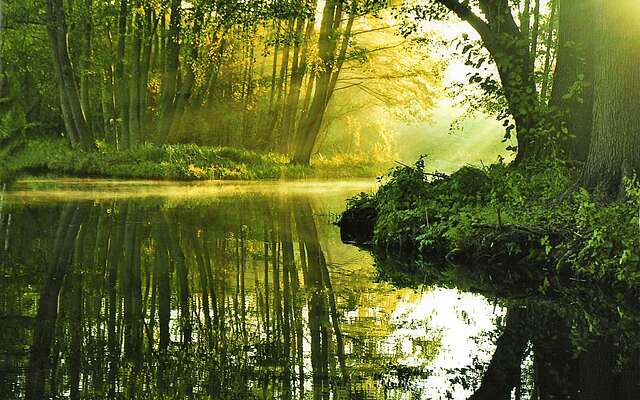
x=313, y=120
x=615, y=146
x=510, y=50
x=573, y=79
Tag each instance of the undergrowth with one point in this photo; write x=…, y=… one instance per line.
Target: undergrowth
x=169, y=162
x=537, y=217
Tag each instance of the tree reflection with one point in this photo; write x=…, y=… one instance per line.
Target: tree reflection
x=138, y=299
x=578, y=340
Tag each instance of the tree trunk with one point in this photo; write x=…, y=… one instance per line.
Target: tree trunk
x=281, y=87
x=298, y=71
x=310, y=127
x=122, y=95
x=170, y=76
x=135, y=98
x=525, y=19
x=573, y=79
x=186, y=88
x=509, y=47
x=109, y=109
x=73, y=114
x=344, y=47
x=248, y=116
x=150, y=34
x=535, y=32
x=510, y=50
x=85, y=58
x=615, y=145
x=549, y=44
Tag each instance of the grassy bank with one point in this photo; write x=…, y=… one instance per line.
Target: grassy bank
x=171, y=162
x=512, y=221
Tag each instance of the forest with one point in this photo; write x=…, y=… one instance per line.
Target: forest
x=275, y=80
x=320, y=199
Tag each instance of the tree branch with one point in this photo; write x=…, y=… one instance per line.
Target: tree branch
x=372, y=30
x=465, y=13
x=347, y=86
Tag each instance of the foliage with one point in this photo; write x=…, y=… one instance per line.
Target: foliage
x=508, y=62
x=240, y=80
x=535, y=216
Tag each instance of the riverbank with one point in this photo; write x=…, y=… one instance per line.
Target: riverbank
x=517, y=223
x=173, y=162
x=562, y=261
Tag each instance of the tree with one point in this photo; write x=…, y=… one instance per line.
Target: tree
x=327, y=44
x=509, y=47
x=332, y=58
x=73, y=114
x=572, y=92
x=298, y=70
x=170, y=76
x=121, y=83
x=615, y=144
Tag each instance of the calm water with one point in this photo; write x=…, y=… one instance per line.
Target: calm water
x=222, y=291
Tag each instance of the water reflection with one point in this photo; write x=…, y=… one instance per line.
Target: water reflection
x=229, y=292
x=562, y=337
x=231, y=297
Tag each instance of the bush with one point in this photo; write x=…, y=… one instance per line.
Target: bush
x=536, y=215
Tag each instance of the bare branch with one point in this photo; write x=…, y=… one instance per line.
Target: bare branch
x=465, y=13
x=372, y=30
x=347, y=86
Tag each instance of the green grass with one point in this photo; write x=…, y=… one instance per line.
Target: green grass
x=42, y=157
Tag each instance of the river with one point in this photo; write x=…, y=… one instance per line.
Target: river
x=156, y=290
